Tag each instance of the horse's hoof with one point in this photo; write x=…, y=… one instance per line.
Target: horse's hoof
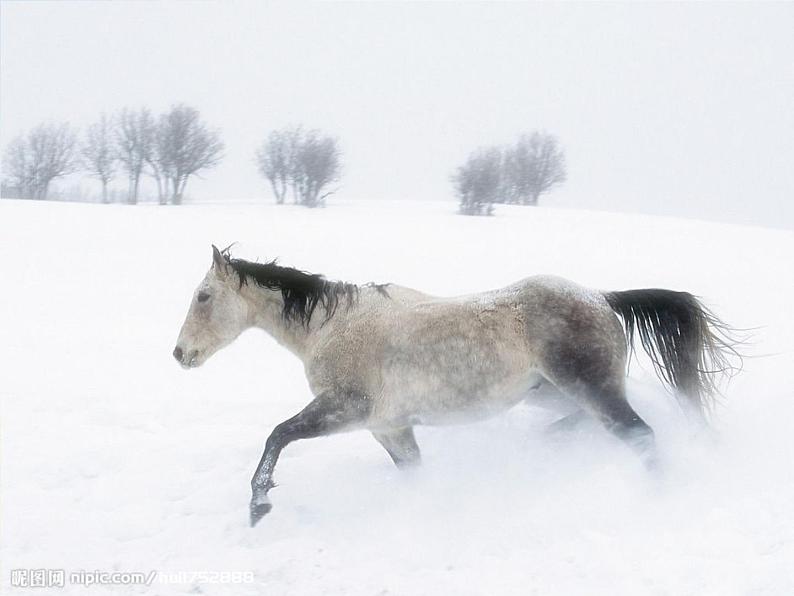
x=258, y=511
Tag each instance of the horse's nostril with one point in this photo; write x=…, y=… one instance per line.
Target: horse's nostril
x=178, y=353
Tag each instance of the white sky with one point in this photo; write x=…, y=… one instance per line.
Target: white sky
x=684, y=109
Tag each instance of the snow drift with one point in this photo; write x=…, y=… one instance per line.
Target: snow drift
x=114, y=458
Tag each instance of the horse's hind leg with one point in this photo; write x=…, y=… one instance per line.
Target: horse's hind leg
x=608, y=404
x=596, y=381
x=614, y=411
x=568, y=423
x=401, y=446
x=544, y=394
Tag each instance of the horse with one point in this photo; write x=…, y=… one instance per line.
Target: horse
x=385, y=358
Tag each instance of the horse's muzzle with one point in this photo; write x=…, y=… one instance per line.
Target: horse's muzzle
x=189, y=360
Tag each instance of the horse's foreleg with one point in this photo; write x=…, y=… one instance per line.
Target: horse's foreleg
x=401, y=446
x=329, y=413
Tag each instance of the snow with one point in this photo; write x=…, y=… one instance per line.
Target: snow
x=114, y=458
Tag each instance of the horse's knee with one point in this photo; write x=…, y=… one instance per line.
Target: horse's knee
x=279, y=437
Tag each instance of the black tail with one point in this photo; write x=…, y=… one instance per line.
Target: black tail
x=691, y=349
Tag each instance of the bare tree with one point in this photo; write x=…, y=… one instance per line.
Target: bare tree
x=185, y=147
x=54, y=154
x=133, y=143
x=275, y=159
x=294, y=136
x=159, y=159
x=318, y=164
x=478, y=181
x=307, y=162
x=18, y=168
x=533, y=166
x=98, y=152
x=33, y=161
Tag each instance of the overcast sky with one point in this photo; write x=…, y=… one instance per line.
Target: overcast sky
x=682, y=109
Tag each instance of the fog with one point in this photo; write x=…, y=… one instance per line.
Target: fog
x=678, y=109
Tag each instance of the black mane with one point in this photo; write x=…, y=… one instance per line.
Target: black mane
x=301, y=291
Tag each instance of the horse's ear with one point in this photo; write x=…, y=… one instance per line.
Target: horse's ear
x=218, y=262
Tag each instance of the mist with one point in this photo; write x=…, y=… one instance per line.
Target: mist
x=395, y=147
x=675, y=109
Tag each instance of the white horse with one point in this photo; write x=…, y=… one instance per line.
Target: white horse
x=386, y=357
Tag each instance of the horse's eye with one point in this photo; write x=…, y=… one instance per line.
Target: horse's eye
x=202, y=297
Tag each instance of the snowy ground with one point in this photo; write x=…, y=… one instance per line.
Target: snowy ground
x=113, y=458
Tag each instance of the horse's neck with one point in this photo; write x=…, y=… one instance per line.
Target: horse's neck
x=265, y=311
x=266, y=308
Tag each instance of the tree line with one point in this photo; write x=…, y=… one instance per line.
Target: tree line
x=171, y=148
x=300, y=164
x=515, y=174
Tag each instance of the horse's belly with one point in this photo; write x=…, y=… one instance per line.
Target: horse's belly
x=463, y=409
x=430, y=400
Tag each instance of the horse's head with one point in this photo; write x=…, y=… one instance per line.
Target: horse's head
x=217, y=315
